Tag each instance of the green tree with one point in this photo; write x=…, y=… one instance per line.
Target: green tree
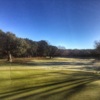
x=21, y=47
x=52, y=51
x=11, y=45
x=32, y=48
x=97, y=49
x=7, y=42
x=42, y=48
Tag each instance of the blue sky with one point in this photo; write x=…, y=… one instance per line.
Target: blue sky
x=70, y=23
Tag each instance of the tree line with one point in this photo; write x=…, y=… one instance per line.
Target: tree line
x=11, y=45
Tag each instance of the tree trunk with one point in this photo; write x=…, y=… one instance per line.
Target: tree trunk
x=50, y=56
x=9, y=56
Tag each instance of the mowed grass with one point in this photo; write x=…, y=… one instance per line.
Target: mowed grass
x=49, y=79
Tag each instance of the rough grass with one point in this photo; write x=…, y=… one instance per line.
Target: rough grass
x=49, y=79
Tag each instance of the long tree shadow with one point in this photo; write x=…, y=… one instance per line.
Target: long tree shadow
x=57, y=90
x=75, y=84
x=74, y=87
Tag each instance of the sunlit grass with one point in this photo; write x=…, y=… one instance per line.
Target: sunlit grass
x=41, y=79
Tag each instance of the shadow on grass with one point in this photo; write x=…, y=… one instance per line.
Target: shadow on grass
x=50, y=63
x=66, y=87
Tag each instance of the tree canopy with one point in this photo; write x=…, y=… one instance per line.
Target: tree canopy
x=11, y=45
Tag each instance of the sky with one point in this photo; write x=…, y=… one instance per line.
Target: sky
x=74, y=24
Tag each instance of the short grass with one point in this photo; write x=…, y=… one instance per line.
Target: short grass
x=49, y=79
